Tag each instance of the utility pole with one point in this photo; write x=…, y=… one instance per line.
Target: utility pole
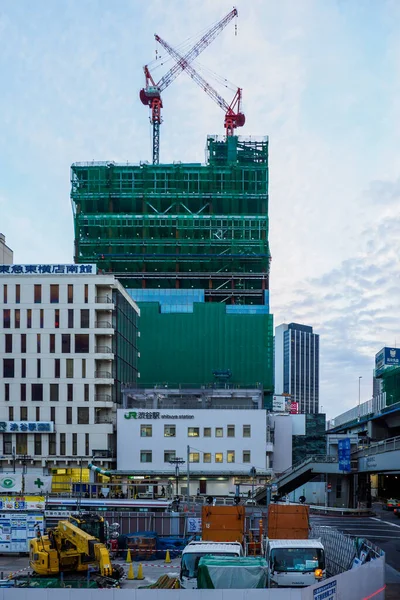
x=188, y=474
x=176, y=461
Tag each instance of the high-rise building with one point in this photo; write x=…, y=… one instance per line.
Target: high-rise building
x=297, y=365
x=6, y=254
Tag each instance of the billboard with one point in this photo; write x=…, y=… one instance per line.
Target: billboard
x=387, y=357
x=279, y=403
x=294, y=408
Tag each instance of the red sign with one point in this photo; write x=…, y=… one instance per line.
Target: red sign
x=294, y=408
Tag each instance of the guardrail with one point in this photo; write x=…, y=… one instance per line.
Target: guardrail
x=317, y=458
x=342, y=511
x=379, y=447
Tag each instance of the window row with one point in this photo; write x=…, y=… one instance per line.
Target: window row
x=10, y=368
x=40, y=319
x=47, y=293
x=146, y=456
x=77, y=343
x=82, y=414
x=37, y=391
x=170, y=431
x=45, y=445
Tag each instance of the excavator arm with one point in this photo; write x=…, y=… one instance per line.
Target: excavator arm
x=84, y=543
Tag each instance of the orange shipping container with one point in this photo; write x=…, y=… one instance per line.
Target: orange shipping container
x=288, y=522
x=223, y=523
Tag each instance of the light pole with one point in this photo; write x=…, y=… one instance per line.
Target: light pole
x=253, y=473
x=176, y=461
x=359, y=397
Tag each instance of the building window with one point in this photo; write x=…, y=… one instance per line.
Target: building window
x=87, y=295
x=246, y=456
x=23, y=413
x=53, y=414
x=23, y=343
x=54, y=294
x=54, y=394
x=38, y=343
x=38, y=369
x=146, y=431
x=146, y=456
x=83, y=415
x=207, y=431
x=11, y=413
x=38, y=444
x=57, y=368
x=21, y=443
x=83, y=368
x=70, y=367
x=17, y=316
x=246, y=430
x=7, y=392
x=8, y=343
x=37, y=392
x=74, y=444
x=85, y=318
x=219, y=458
x=62, y=444
x=37, y=294
x=23, y=368
x=52, y=444
x=6, y=318
x=52, y=343
x=194, y=457
x=69, y=415
x=17, y=293
x=70, y=293
x=66, y=343
x=219, y=432
x=8, y=367
x=82, y=343
x=230, y=456
x=207, y=457
x=41, y=318
x=87, y=447
x=193, y=431
x=37, y=413
x=57, y=318
x=5, y=289
x=169, y=430
x=29, y=318
x=70, y=318
x=7, y=443
x=23, y=392
x=169, y=455
x=70, y=392
x=86, y=392
x=230, y=431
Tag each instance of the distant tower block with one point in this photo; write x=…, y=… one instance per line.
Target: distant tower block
x=6, y=254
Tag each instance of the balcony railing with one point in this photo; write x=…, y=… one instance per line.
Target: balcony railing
x=103, y=375
x=103, y=299
x=103, y=350
x=103, y=324
x=103, y=398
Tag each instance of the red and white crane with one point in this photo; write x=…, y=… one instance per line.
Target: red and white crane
x=150, y=95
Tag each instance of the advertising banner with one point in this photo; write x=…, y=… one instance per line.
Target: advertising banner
x=387, y=357
x=294, y=408
x=22, y=503
x=10, y=482
x=35, y=484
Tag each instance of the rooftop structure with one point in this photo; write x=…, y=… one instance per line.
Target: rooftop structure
x=6, y=254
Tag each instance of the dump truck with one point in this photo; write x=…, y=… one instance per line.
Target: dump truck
x=293, y=559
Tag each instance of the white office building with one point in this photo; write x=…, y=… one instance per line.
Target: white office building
x=219, y=446
x=68, y=340
x=6, y=254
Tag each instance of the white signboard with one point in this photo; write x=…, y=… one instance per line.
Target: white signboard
x=37, y=484
x=193, y=525
x=10, y=482
x=279, y=403
x=26, y=427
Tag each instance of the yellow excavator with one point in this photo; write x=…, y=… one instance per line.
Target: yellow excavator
x=70, y=550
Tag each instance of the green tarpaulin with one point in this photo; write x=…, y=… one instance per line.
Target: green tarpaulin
x=231, y=573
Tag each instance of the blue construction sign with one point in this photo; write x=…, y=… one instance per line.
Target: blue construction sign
x=344, y=449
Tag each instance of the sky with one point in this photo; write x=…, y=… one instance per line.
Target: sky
x=321, y=78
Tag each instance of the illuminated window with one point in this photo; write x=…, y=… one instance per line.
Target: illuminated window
x=193, y=431
x=207, y=457
x=146, y=431
x=194, y=457
x=230, y=456
x=169, y=430
x=219, y=458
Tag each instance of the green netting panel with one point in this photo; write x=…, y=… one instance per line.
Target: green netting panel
x=391, y=385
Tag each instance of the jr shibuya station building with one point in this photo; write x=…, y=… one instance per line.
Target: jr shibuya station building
x=221, y=448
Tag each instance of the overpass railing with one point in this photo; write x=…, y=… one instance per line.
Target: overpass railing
x=388, y=445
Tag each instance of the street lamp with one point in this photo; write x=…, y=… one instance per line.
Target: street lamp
x=176, y=461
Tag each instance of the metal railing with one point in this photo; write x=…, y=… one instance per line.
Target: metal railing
x=103, y=350
x=103, y=375
x=317, y=458
x=103, y=324
x=388, y=445
x=103, y=300
x=103, y=398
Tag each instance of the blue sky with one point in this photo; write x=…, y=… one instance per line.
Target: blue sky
x=321, y=78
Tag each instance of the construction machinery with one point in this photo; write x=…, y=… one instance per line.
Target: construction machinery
x=68, y=550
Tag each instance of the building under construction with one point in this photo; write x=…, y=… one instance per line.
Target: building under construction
x=183, y=235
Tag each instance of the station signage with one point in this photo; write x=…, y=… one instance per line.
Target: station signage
x=48, y=269
x=26, y=427
x=387, y=357
x=154, y=415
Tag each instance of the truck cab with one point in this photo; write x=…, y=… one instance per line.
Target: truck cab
x=194, y=551
x=295, y=563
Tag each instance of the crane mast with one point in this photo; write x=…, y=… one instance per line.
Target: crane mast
x=150, y=95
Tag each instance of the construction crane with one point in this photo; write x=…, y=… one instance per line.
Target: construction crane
x=234, y=117
x=150, y=95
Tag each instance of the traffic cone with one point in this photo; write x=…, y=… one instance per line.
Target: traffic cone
x=131, y=574
x=167, y=557
x=128, y=556
x=140, y=572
